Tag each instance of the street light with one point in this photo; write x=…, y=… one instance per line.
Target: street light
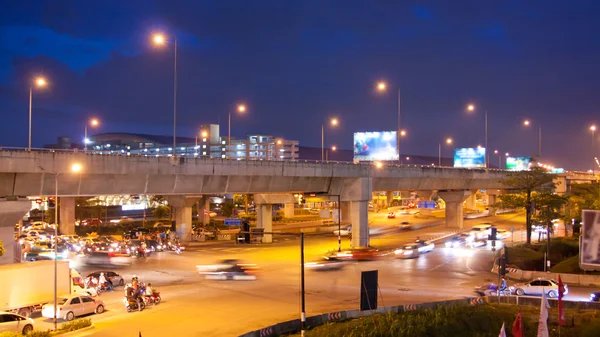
x=39, y=82
x=241, y=108
x=333, y=122
x=593, y=129
x=92, y=122
x=449, y=142
x=333, y=149
x=471, y=108
x=382, y=87
x=161, y=40
x=499, y=159
x=527, y=123
x=75, y=168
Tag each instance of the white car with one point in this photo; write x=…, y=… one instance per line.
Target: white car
x=69, y=307
x=15, y=323
x=424, y=246
x=537, y=286
x=344, y=231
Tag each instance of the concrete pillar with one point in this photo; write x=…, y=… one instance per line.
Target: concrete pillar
x=264, y=219
x=389, y=195
x=345, y=207
x=182, y=211
x=359, y=214
x=471, y=202
x=11, y=211
x=424, y=195
x=288, y=211
x=491, y=202
x=203, y=208
x=454, y=207
x=66, y=215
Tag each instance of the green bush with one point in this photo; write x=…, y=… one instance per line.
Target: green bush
x=75, y=325
x=591, y=328
x=10, y=334
x=39, y=333
x=525, y=258
x=568, y=266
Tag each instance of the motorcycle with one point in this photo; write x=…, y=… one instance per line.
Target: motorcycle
x=132, y=305
x=103, y=287
x=154, y=299
x=491, y=289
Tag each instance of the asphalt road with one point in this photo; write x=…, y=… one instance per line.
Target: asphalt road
x=193, y=306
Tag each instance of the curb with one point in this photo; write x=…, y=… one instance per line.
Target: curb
x=73, y=333
x=293, y=326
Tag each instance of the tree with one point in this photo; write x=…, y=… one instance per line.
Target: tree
x=527, y=182
x=161, y=212
x=89, y=208
x=227, y=208
x=548, y=207
x=584, y=196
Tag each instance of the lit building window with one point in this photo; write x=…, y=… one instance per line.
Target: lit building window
x=223, y=149
x=204, y=153
x=204, y=146
x=203, y=139
x=222, y=156
x=223, y=142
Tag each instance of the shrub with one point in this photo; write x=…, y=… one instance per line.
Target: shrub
x=525, y=258
x=10, y=334
x=75, y=325
x=39, y=333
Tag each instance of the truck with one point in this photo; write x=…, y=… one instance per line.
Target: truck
x=26, y=287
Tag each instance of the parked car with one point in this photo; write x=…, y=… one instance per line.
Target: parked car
x=345, y=231
x=10, y=322
x=69, y=307
x=537, y=286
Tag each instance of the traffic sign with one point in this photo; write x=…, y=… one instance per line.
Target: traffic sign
x=233, y=221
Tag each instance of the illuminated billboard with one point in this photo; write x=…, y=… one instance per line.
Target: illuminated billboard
x=518, y=163
x=370, y=146
x=469, y=157
x=589, y=241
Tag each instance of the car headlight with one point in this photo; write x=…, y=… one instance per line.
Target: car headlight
x=455, y=244
x=448, y=244
x=159, y=246
x=408, y=252
x=593, y=296
x=398, y=251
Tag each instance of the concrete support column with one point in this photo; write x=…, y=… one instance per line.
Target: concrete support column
x=424, y=195
x=182, y=211
x=471, y=202
x=11, y=211
x=491, y=202
x=454, y=207
x=288, y=211
x=345, y=208
x=264, y=219
x=389, y=197
x=359, y=214
x=67, y=215
x=203, y=207
x=183, y=221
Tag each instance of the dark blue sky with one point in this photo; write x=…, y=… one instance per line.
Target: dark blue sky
x=295, y=63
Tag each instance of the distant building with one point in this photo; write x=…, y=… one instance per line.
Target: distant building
x=208, y=144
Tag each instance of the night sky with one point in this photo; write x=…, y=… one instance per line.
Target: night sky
x=297, y=63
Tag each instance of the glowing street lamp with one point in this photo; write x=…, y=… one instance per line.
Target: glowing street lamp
x=593, y=129
x=382, y=87
x=92, y=122
x=449, y=142
x=332, y=122
x=38, y=82
x=241, y=108
x=471, y=108
x=160, y=40
x=527, y=123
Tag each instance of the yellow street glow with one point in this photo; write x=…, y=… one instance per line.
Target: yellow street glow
x=204, y=134
x=378, y=164
x=159, y=39
x=333, y=148
x=526, y=122
x=403, y=133
x=94, y=122
x=76, y=167
x=593, y=128
x=334, y=121
x=381, y=86
x=40, y=82
x=471, y=107
x=449, y=141
x=241, y=108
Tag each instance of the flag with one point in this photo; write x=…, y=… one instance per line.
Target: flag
x=502, y=331
x=517, y=328
x=561, y=310
x=543, y=321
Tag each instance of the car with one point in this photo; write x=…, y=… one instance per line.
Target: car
x=424, y=246
x=481, y=231
x=455, y=242
x=405, y=225
x=229, y=269
x=537, y=286
x=155, y=246
x=107, y=258
x=69, y=307
x=407, y=251
x=91, y=222
x=502, y=234
x=391, y=215
x=357, y=254
x=10, y=322
x=595, y=296
x=345, y=231
x=114, y=278
x=326, y=264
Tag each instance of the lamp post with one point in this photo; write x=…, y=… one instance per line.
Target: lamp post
x=449, y=142
x=499, y=159
x=382, y=87
x=539, y=136
x=75, y=168
x=333, y=149
x=39, y=82
x=471, y=107
x=241, y=108
x=92, y=122
x=161, y=40
x=593, y=129
x=333, y=122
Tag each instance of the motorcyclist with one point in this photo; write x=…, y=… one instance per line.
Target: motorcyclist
x=103, y=282
x=503, y=285
x=149, y=292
